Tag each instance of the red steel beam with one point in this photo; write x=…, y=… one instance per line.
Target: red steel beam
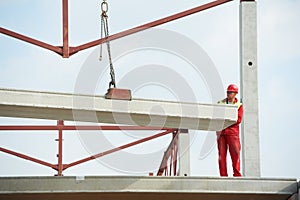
x=150, y=25
x=60, y=149
x=74, y=128
x=60, y=167
x=28, y=158
x=175, y=153
x=31, y=40
x=116, y=149
x=66, y=51
x=65, y=47
x=164, y=163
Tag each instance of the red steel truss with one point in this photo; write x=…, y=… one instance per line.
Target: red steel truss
x=171, y=156
x=60, y=127
x=66, y=51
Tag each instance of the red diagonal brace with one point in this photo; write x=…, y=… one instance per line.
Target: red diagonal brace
x=66, y=51
x=168, y=153
x=31, y=40
x=150, y=25
x=28, y=158
x=116, y=149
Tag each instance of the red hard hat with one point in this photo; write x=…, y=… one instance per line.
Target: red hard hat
x=233, y=88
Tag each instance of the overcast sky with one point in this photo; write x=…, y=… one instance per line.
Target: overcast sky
x=216, y=31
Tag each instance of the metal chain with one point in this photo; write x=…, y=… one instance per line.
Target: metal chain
x=104, y=28
x=101, y=27
x=104, y=9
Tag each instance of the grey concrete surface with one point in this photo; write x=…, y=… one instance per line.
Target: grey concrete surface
x=249, y=89
x=133, y=187
x=76, y=107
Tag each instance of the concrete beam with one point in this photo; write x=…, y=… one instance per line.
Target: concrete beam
x=249, y=89
x=128, y=187
x=76, y=107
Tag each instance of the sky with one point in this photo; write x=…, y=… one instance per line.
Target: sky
x=214, y=31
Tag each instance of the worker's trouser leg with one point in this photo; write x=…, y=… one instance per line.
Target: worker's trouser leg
x=234, y=147
x=232, y=143
x=222, y=147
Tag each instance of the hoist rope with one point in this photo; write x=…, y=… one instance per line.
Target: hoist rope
x=104, y=29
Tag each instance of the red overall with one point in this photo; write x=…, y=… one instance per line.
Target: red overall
x=229, y=139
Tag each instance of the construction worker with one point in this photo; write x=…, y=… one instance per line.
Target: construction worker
x=229, y=138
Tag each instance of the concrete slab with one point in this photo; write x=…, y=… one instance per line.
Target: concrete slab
x=133, y=187
x=76, y=107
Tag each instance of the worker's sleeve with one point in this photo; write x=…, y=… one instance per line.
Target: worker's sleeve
x=240, y=114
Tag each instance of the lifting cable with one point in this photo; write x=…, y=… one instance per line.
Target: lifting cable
x=112, y=92
x=104, y=29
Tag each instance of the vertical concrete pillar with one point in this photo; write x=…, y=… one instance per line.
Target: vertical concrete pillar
x=184, y=152
x=249, y=88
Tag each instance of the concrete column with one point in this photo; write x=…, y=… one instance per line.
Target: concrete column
x=249, y=88
x=184, y=152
